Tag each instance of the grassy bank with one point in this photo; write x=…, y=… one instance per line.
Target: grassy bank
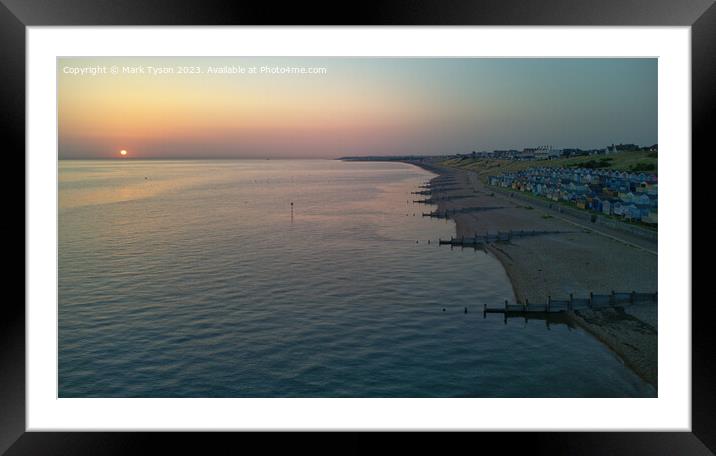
x=637, y=161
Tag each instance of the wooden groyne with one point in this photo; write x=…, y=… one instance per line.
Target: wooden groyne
x=503, y=236
x=448, y=212
x=594, y=301
x=451, y=197
x=435, y=199
x=437, y=188
x=441, y=185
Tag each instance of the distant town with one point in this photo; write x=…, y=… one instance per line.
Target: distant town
x=529, y=153
x=548, y=152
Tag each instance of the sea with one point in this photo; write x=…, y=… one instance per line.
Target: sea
x=292, y=278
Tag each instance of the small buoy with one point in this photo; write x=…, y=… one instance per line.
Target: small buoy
x=465, y=309
x=443, y=309
x=428, y=241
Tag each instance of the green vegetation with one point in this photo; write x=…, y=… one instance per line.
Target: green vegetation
x=604, y=162
x=633, y=161
x=642, y=167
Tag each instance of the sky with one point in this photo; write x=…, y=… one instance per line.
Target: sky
x=171, y=107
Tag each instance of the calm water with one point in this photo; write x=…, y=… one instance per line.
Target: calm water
x=192, y=278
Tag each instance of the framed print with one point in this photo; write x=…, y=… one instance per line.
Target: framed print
x=418, y=219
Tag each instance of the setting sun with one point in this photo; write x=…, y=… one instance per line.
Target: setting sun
x=123, y=152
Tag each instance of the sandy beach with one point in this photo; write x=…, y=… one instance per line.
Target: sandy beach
x=578, y=260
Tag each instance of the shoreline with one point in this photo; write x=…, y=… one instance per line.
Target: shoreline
x=577, y=260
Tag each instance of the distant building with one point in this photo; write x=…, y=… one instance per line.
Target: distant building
x=547, y=152
x=623, y=147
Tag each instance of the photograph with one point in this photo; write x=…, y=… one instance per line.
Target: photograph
x=357, y=227
x=405, y=219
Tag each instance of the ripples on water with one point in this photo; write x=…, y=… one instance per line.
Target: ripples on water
x=191, y=279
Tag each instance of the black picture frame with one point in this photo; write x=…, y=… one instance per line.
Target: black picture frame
x=16, y=15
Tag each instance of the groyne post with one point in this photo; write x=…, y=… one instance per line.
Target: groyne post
x=591, y=297
x=549, y=302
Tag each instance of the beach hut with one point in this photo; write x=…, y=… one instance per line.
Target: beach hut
x=606, y=207
x=618, y=208
x=632, y=212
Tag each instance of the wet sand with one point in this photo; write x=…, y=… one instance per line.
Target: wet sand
x=579, y=260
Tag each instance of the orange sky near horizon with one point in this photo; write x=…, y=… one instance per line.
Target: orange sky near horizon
x=160, y=115
x=360, y=106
